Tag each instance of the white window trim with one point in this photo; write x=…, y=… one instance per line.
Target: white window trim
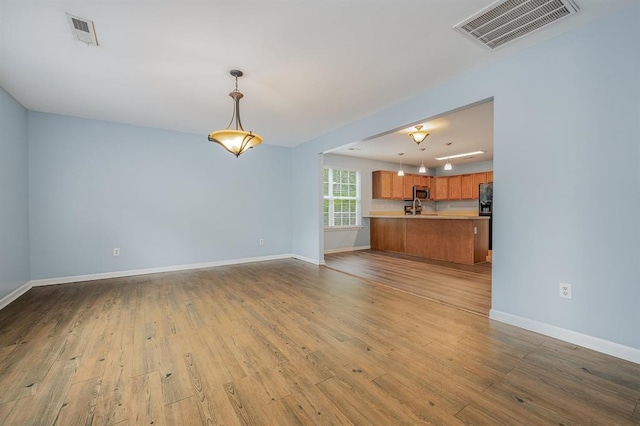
x=358, y=224
x=342, y=228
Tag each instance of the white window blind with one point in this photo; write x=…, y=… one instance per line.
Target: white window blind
x=341, y=197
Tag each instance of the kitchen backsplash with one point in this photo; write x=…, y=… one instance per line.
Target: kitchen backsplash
x=428, y=206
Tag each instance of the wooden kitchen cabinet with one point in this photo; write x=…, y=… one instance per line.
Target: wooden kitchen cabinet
x=388, y=185
x=397, y=186
x=455, y=190
x=424, y=181
x=478, y=178
x=466, y=187
x=407, y=186
x=440, y=188
x=381, y=184
x=388, y=234
x=458, y=240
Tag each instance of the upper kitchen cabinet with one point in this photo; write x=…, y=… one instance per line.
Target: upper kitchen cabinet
x=455, y=190
x=422, y=180
x=457, y=187
x=478, y=178
x=407, y=186
x=466, y=187
x=440, y=190
x=397, y=186
x=381, y=184
x=388, y=185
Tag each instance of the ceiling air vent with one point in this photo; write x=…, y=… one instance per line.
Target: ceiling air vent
x=83, y=30
x=507, y=20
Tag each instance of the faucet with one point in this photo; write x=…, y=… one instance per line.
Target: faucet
x=414, y=205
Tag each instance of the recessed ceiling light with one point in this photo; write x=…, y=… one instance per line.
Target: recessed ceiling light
x=460, y=155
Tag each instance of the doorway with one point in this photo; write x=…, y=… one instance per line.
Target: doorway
x=463, y=138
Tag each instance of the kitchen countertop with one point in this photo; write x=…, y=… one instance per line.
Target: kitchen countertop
x=424, y=216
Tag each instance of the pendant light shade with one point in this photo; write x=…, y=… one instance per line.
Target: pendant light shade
x=448, y=166
x=418, y=135
x=401, y=172
x=422, y=168
x=234, y=138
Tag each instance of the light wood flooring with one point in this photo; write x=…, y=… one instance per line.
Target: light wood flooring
x=466, y=287
x=286, y=342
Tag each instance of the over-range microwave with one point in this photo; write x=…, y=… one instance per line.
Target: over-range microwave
x=420, y=192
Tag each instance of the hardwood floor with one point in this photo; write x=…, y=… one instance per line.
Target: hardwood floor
x=286, y=342
x=466, y=287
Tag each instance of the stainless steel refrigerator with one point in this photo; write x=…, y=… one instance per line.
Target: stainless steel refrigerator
x=485, y=206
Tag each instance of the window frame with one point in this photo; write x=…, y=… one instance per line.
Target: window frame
x=331, y=199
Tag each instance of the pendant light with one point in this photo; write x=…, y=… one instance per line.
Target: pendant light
x=401, y=172
x=448, y=165
x=235, y=140
x=418, y=135
x=422, y=168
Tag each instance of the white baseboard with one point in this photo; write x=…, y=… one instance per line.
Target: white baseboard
x=340, y=250
x=118, y=274
x=600, y=345
x=309, y=260
x=15, y=294
x=129, y=273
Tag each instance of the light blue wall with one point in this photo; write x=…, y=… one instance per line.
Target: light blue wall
x=566, y=126
x=164, y=198
x=14, y=195
x=461, y=169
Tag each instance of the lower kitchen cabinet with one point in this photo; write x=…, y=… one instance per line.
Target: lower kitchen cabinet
x=459, y=240
x=388, y=234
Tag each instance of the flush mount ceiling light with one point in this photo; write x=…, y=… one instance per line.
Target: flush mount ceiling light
x=418, y=135
x=235, y=140
x=466, y=154
x=422, y=168
x=401, y=172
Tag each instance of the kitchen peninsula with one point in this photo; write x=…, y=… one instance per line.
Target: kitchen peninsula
x=459, y=239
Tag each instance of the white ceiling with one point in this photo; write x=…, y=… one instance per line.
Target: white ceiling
x=310, y=66
x=463, y=131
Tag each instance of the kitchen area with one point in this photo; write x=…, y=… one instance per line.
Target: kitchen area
x=459, y=236
x=425, y=216
x=432, y=199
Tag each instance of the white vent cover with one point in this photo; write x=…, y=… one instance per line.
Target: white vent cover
x=83, y=30
x=507, y=20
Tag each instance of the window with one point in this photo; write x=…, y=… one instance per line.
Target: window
x=341, y=197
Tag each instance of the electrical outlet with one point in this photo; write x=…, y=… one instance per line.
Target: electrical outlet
x=261, y=241
x=565, y=290
x=116, y=252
